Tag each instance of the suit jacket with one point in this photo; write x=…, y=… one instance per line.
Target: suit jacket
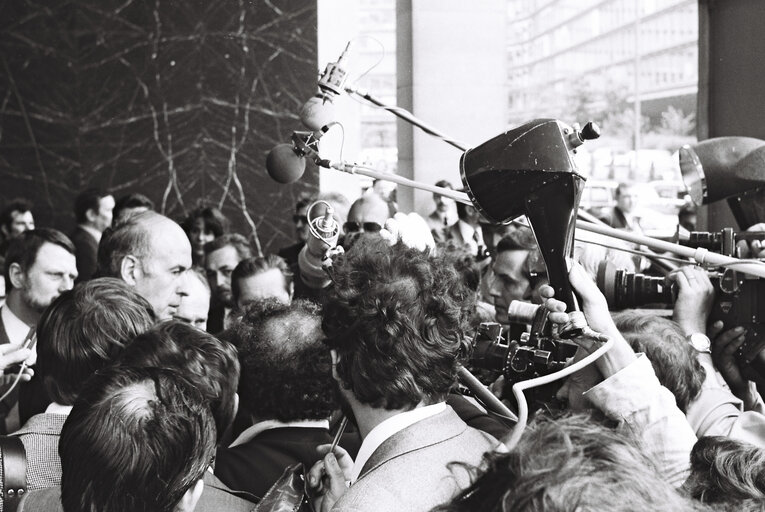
x=86, y=252
x=215, y=498
x=257, y=464
x=420, y=467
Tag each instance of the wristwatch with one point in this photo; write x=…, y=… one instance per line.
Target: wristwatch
x=700, y=342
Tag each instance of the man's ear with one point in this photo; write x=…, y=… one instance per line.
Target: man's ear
x=130, y=269
x=190, y=499
x=16, y=274
x=91, y=215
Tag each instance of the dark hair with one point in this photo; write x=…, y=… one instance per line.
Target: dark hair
x=235, y=240
x=396, y=319
x=257, y=265
x=19, y=205
x=444, y=184
x=727, y=473
x=127, y=237
x=663, y=342
x=209, y=363
x=518, y=239
x=286, y=369
x=214, y=220
x=23, y=249
x=128, y=201
x=457, y=255
x=84, y=330
x=462, y=210
x=566, y=465
x=136, y=439
x=621, y=187
x=303, y=202
x=86, y=200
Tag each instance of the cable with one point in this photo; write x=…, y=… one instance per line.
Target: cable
x=518, y=387
x=15, y=382
x=311, y=227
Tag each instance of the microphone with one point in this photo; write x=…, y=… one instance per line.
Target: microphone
x=319, y=110
x=285, y=163
x=315, y=258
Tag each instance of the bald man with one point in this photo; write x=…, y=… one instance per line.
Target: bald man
x=150, y=253
x=367, y=215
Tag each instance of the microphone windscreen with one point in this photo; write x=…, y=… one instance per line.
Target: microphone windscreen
x=317, y=113
x=284, y=165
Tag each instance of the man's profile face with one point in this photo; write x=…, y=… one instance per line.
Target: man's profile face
x=268, y=284
x=627, y=199
x=219, y=266
x=162, y=279
x=20, y=222
x=195, y=304
x=510, y=281
x=371, y=210
x=52, y=273
x=103, y=218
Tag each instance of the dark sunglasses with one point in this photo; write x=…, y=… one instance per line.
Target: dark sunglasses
x=300, y=218
x=367, y=227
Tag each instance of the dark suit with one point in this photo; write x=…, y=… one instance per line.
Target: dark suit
x=617, y=220
x=255, y=465
x=86, y=252
x=290, y=253
x=215, y=498
x=412, y=470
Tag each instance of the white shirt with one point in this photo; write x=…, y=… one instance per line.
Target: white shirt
x=15, y=328
x=93, y=232
x=262, y=426
x=387, y=429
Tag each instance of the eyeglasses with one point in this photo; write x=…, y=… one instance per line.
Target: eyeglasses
x=367, y=227
x=300, y=218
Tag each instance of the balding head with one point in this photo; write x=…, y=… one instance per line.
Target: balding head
x=368, y=215
x=285, y=366
x=151, y=253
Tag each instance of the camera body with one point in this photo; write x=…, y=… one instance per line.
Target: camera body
x=519, y=354
x=739, y=298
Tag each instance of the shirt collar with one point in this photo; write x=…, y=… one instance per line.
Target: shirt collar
x=387, y=429
x=92, y=231
x=15, y=328
x=262, y=426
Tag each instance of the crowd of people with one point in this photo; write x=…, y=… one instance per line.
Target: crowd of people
x=155, y=365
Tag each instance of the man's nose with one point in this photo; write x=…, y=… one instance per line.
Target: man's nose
x=67, y=283
x=562, y=394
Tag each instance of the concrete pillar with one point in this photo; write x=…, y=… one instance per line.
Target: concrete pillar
x=451, y=73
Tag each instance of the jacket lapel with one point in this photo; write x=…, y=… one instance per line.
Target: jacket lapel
x=433, y=430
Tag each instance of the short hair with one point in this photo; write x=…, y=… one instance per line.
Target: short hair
x=396, y=320
x=462, y=210
x=86, y=200
x=214, y=220
x=727, y=473
x=127, y=237
x=134, y=200
x=136, y=439
x=235, y=240
x=571, y=463
x=673, y=358
x=84, y=330
x=253, y=266
x=621, y=187
x=209, y=363
x=286, y=369
x=518, y=239
x=444, y=184
x=23, y=249
x=20, y=205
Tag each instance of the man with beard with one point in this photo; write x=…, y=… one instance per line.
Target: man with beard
x=40, y=266
x=222, y=255
x=287, y=388
x=394, y=323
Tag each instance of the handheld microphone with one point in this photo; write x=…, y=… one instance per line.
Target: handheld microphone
x=319, y=110
x=316, y=256
x=285, y=163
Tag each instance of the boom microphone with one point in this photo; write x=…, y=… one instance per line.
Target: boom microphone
x=286, y=162
x=319, y=110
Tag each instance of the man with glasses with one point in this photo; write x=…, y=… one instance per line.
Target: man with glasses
x=300, y=219
x=368, y=214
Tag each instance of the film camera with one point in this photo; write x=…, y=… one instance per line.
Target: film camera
x=739, y=298
x=520, y=355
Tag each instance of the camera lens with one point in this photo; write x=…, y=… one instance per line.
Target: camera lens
x=625, y=290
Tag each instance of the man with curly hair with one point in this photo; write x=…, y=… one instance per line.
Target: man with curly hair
x=287, y=389
x=394, y=324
